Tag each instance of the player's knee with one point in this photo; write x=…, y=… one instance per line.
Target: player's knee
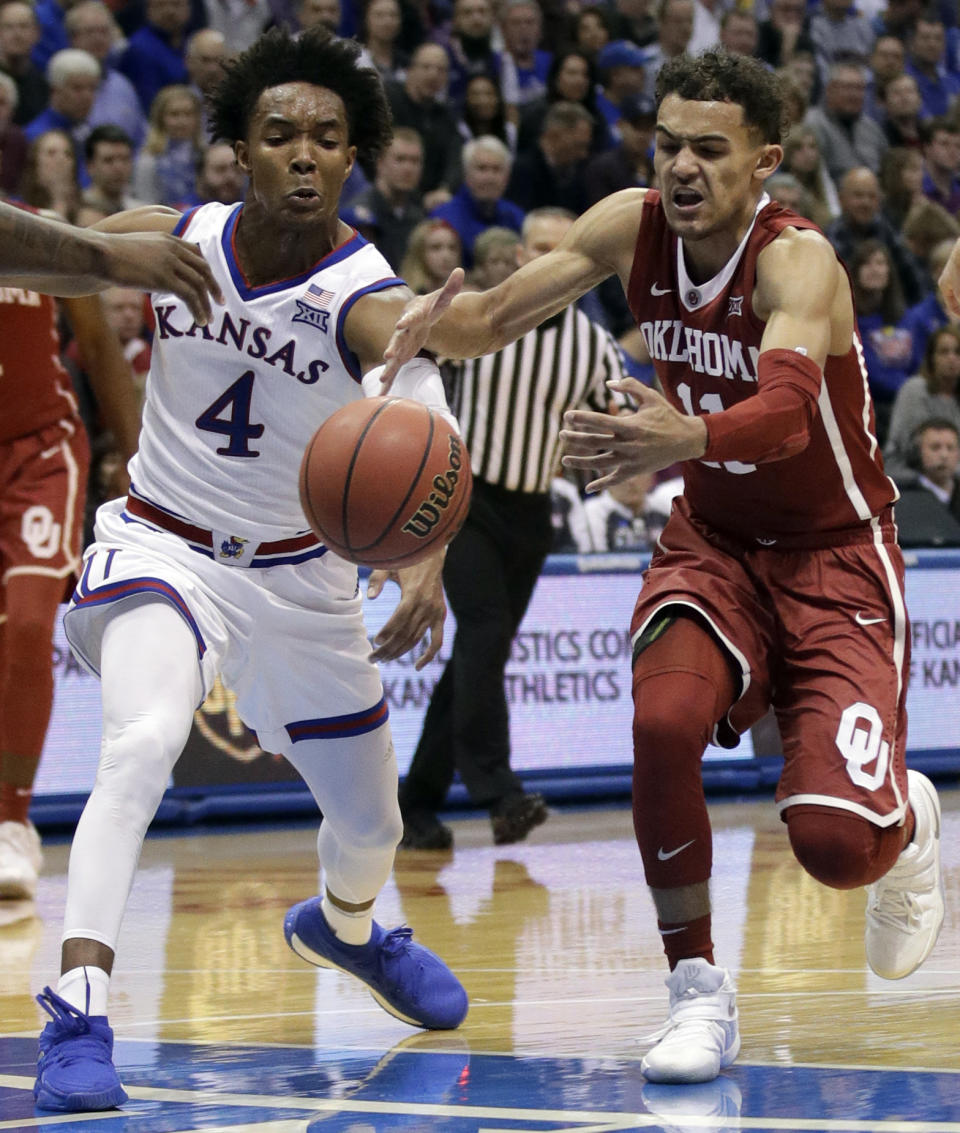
x=666, y=730
x=841, y=849
x=378, y=833
x=135, y=764
x=382, y=832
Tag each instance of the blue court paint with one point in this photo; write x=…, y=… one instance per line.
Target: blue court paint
x=452, y=1090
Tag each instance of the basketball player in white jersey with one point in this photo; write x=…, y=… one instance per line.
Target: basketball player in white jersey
x=777, y=579
x=208, y=568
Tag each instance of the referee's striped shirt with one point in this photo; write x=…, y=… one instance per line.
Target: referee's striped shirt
x=510, y=404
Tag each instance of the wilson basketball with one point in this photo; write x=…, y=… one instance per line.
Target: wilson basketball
x=385, y=481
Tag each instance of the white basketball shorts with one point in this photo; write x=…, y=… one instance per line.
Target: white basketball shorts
x=288, y=640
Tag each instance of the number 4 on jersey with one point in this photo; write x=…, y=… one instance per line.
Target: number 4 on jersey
x=230, y=415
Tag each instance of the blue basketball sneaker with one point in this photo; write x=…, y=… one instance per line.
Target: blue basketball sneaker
x=406, y=979
x=75, y=1071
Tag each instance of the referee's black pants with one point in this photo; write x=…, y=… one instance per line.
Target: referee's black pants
x=489, y=575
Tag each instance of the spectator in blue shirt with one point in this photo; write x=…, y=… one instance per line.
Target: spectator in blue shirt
x=154, y=57
x=478, y=203
x=926, y=62
x=74, y=78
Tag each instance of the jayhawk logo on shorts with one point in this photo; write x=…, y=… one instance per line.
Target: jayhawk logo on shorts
x=232, y=548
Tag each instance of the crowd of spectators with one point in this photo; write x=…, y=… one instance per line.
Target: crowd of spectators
x=504, y=106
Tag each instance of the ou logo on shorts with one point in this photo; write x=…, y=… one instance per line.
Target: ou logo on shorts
x=40, y=532
x=861, y=743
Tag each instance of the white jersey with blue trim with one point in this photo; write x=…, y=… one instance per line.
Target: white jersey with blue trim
x=230, y=407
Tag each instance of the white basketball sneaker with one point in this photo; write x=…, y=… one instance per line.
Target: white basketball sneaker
x=905, y=907
x=701, y=1036
x=20, y=860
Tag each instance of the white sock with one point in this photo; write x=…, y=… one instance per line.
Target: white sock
x=86, y=989
x=351, y=928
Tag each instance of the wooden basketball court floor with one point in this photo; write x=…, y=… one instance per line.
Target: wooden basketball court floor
x=220, y=1027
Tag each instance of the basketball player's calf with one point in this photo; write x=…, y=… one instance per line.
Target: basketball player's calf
x=682, y=685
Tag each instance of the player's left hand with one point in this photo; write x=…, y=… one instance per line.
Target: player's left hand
x=410, y=334
x=421, y=610
x=618, y=448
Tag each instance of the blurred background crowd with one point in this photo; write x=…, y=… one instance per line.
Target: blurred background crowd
x=506, y=106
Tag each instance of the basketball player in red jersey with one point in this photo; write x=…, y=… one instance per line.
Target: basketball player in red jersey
x=44, y=458
x=778, y=579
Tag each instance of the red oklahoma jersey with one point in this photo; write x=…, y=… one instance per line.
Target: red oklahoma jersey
x=35, y=388
x=704, y=342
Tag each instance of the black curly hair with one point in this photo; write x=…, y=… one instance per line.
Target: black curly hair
x=315, y=57
x=719, y=76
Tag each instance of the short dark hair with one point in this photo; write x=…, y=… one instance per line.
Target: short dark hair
x=942, y=124
x=315, y=57
x=934, y=423
x=112, y=135
x=719, y=76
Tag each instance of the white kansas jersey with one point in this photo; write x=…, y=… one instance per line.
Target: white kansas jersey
x=230, y=407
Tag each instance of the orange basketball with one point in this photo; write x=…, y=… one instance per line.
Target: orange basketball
x=385, y=481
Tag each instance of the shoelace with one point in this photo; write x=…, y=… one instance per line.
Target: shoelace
x=63, y=1013
x=397, y=940
x=896, y=908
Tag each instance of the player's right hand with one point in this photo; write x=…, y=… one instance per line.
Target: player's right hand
x=413, y=327
x=157, y=261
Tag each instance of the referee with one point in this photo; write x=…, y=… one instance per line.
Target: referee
x=510, y=406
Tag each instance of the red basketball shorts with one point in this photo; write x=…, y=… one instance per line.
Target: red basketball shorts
x=43, y=481
x=819, y=633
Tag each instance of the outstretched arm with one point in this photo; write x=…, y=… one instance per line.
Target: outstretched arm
x=58, y=259
x=798, y=282
x=466, y=325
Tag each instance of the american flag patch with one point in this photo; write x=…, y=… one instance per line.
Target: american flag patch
x=317, y=297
